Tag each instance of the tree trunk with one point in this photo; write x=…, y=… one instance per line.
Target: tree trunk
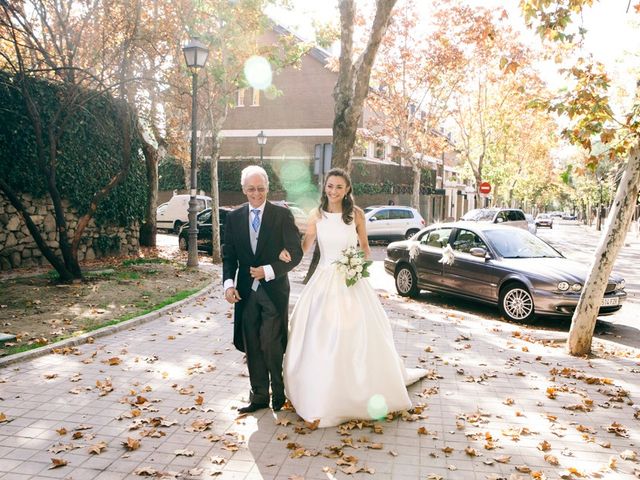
x=352, y=86
x=415, y=196
x=584, y=318
x=65, y=275
x=216, y=254
x=149, y=229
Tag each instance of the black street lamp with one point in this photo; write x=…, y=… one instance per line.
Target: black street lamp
x=195, y=55
x=262, y=141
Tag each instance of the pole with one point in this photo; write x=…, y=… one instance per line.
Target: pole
x=192, y=259
x=261, y=162
x=599, y=225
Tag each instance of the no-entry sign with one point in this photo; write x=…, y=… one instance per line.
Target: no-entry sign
x=485, y=187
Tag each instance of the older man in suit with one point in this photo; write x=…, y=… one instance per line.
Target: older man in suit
x=256, y=281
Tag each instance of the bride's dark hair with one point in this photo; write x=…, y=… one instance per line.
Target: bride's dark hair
x=347, y=201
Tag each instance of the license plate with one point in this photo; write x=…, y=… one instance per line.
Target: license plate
x=610, y=302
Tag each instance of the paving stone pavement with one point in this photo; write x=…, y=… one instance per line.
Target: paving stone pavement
x=500, y=401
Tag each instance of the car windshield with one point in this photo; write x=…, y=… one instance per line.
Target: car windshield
x=479, y=215
x=516, y=243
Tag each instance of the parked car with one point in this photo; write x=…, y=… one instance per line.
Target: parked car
x=299, y=215
x=204, y=230
x=392, y=222
x=173, y=214
x=531, y=223
x=544, y=220
x=513, y=217
x=521, y=274
x=569, y=216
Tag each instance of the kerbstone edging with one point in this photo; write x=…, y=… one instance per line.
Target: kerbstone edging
x=102, y=332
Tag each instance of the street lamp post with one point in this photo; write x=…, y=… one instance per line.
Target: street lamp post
x=262, y=141
x=195, y=55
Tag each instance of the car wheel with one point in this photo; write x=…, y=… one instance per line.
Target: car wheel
x=182, y=243
x=176, y=226
x=516, y=303
x=406, y=282
x=410, y=233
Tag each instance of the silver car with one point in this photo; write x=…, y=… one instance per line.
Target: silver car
x=508, y=267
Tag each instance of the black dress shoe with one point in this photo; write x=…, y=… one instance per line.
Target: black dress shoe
x=252, y=407
x=277, y=405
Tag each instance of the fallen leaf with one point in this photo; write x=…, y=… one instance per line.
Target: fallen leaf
x=97, y=448
x=184, y=453
x=131, y=444
x=57, y=462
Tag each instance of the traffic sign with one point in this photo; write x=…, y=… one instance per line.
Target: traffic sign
x=485, y=187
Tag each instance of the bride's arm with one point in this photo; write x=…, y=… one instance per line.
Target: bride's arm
x=361, y=228
x=310, y=235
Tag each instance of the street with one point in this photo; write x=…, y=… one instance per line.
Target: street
x=572, y=239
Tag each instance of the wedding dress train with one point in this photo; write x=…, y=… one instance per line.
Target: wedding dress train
x=341, y=362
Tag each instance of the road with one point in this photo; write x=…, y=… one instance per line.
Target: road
x=573, y=240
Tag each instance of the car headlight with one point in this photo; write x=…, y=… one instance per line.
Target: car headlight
x=576, y=287
x=563, y=286
x=620, y=285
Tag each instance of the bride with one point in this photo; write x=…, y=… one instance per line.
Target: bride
x=341, y=362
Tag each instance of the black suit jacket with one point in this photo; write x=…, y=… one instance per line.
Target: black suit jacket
x=277, y=231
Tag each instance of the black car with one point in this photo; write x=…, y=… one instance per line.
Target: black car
x=505, y=266
x=204, y=229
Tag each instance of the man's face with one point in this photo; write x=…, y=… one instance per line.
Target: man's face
x=255, y=188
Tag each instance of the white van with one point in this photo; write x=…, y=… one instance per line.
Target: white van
x=172, y=214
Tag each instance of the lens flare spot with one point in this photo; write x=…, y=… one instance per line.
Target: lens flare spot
x=258, y=72
x=377, y=406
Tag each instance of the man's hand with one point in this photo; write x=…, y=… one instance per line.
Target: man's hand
x=257, y=272
x=285, y=256
x=231, y=295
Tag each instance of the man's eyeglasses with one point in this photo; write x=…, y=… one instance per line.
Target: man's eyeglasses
x=255, y=189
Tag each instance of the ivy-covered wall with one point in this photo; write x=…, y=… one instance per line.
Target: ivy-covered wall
x=89, y=154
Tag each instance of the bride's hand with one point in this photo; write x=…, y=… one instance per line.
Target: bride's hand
x=285, y=256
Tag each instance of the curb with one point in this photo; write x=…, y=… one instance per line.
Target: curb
x=101, y=332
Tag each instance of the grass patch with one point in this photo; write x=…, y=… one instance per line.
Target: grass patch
x=128, y=275
x=142, y=261
x=5, y=351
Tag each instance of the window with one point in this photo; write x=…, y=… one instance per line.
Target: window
x=437, y=238
x=255, y=99
x=516, y=215
x=379, y=150
x=381, y=214
x=240, y=99
x=395, y=154
x=466, y=240
x=397, y=214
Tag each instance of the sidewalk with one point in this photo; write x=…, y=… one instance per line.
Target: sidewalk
x=501, y=401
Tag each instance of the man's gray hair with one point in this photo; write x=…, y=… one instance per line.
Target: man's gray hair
x=252, y=170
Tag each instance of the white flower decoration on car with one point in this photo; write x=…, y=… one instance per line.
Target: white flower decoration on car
x=447, y=256
x=414, y=250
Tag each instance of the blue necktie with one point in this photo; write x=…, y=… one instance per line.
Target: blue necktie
x=255, y=223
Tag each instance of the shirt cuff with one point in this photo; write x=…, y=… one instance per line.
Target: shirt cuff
x=268, y=273
x=228, y=283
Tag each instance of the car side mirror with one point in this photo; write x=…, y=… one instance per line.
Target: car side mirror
x=478, y=252
x=499, y=220
x=372, y=219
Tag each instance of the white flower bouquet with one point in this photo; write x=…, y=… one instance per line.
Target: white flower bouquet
x=353, y=264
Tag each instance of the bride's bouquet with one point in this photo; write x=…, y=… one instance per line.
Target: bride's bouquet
x=353, y=264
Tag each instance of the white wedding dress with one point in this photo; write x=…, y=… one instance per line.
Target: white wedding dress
x=341, y=363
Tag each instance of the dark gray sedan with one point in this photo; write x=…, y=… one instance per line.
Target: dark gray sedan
x=494, y=264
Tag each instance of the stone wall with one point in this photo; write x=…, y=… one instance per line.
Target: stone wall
x=18, y=249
